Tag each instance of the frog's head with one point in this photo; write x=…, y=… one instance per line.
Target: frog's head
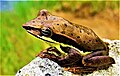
x=46, y=24
x=38, y=26
x=43, y=24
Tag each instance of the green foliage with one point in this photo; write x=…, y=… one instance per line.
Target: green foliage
x=17, y=47
x=98, y=6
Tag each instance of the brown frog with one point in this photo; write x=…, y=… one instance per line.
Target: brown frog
x=80, y=38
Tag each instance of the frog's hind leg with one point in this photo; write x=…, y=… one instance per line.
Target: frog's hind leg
x=97, y=59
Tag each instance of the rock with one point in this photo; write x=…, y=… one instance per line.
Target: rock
x=42, y=67
x=45, y=67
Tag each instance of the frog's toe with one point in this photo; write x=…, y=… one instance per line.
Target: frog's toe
x=78, y=70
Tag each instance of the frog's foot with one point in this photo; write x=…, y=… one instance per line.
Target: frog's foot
x=47, y=53
x=78, y=70
x=97, y=59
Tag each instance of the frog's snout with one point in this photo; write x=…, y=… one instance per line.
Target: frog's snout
x=27, y=27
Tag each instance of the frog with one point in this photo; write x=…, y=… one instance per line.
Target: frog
x=83, y=50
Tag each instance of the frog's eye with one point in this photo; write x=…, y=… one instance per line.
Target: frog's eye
x=46, y=32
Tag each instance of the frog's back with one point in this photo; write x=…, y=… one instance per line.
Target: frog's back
x=84, y=38
x=88, y=39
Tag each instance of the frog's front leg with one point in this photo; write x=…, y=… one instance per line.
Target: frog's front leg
x=97, y=59
x=64, y=61
x=50, y=54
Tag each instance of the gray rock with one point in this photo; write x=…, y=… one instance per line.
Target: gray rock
x=42, y=67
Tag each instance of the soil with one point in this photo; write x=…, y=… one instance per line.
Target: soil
x=105, y=23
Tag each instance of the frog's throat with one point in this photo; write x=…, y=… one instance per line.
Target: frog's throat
x=57, y=44
x=48, y=40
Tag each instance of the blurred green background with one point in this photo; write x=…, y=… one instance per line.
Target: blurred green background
x=18, y=48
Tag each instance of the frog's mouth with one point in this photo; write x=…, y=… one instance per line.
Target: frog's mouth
x=32, y=30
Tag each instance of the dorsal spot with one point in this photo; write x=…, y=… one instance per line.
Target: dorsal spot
x=78, y=36
x=77, y=26
x=96, y=40
x=53, y=28
x=57, y=24
x=88, y=33
x=89, y=40
x=84, y=41
x=80, y=31
x=63, y=32
x=65, y=25
x=71, y=34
